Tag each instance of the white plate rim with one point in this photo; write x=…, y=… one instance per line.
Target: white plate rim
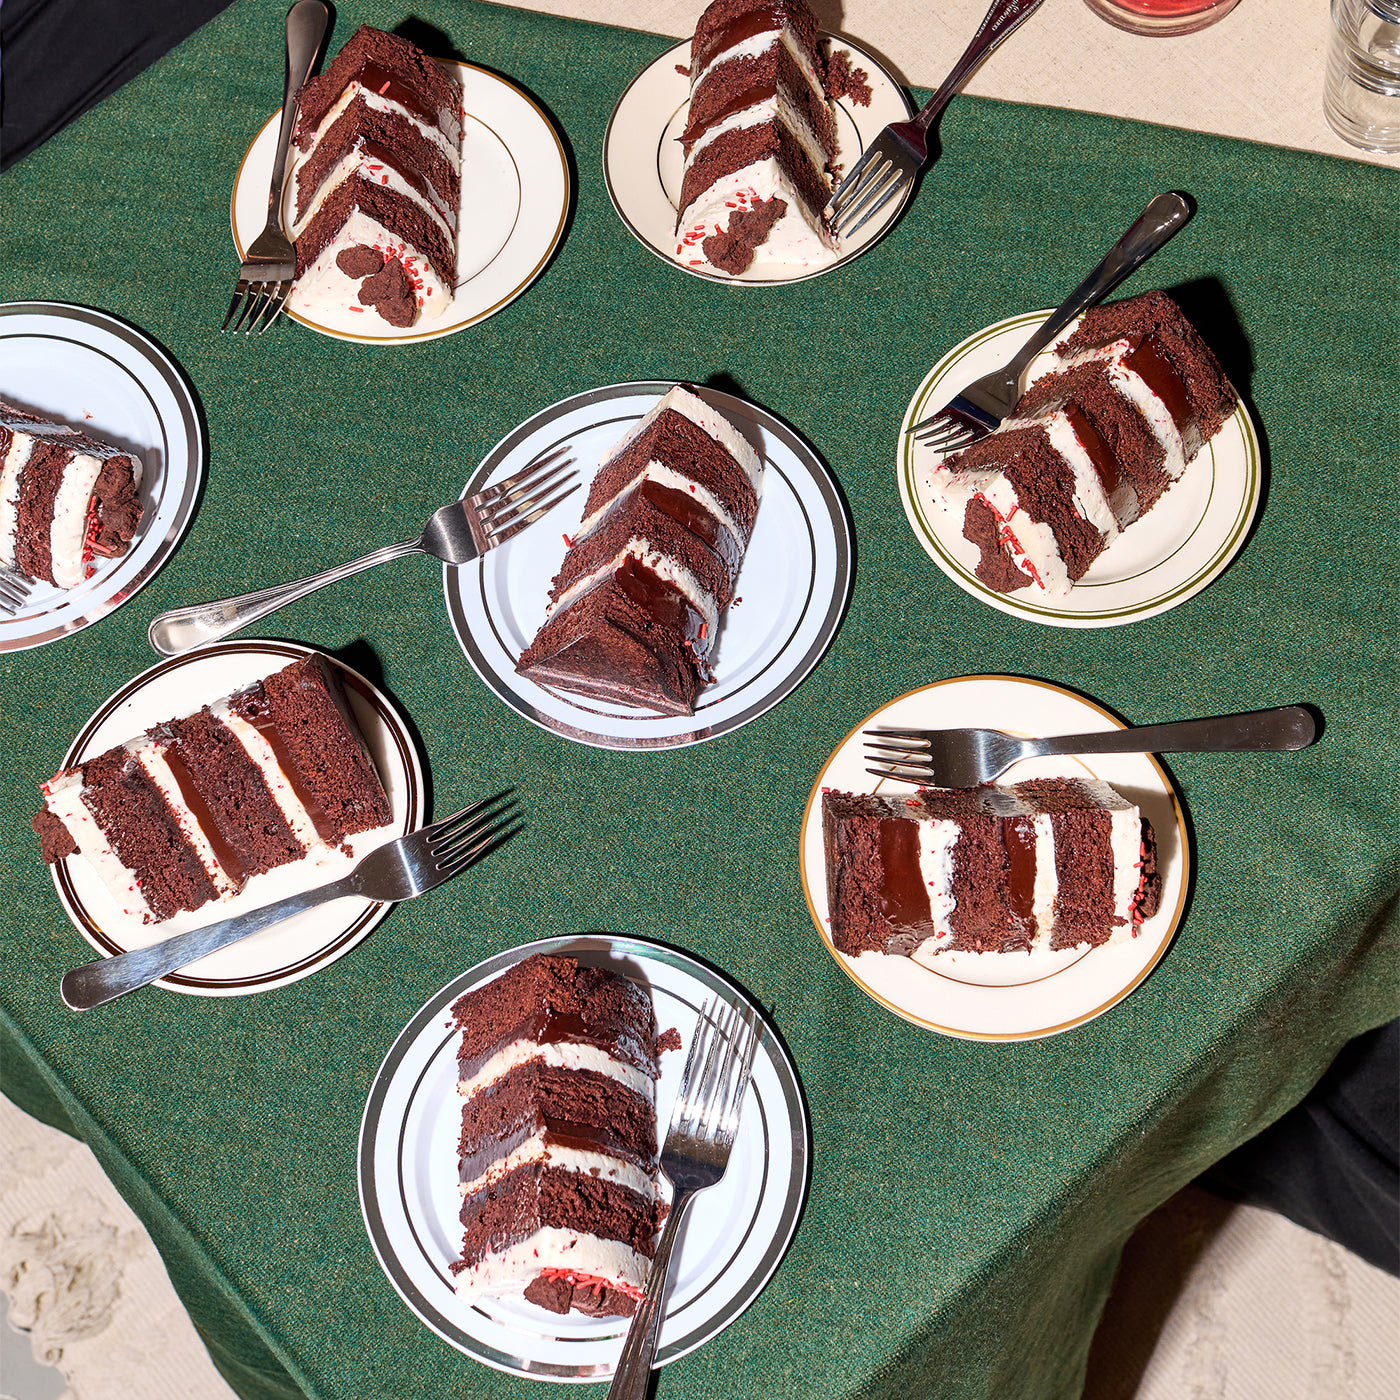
x=867, y=122
x=256, y=167
x=795, y=1129
x=819, y=490
x=813, y=872
x=1233, y=458
x=367, y=914
x=183, y=463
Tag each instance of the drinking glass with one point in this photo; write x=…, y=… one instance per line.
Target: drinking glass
x=1161, y=17
x=1361, y=95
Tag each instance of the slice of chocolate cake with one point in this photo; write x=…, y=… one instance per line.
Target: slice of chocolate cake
x=1091, y=447
x=760, y=139
x=635, y=611
x=557, y=1160
x=65, y=498
x=188, y=811
x=1054, y=862
x=378, y=181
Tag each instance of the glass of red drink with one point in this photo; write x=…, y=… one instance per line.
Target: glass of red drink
x=1161, y=17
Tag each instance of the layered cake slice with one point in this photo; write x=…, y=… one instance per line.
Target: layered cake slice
x=635, y=611
x=378, y=181
x=188, y=811
x=760, y=139
x=558, y=1155
x=1054, y=862
x=1091, y=447
x=65, y=499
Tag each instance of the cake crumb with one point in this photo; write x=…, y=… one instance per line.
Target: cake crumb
x=842, y=80
x=668, y=1040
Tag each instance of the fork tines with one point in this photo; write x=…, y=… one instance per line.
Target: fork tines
x=904, y=754
x=262, y=303
x=717, y=1073
x=861, y=186
x=463, y=838
x=14, y=591
x=954, y=426
x=510, y=505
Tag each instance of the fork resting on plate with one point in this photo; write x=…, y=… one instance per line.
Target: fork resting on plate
x=270, y=264
x=418, y=861
x=897, y=153
x=456, y=534
x=964, y=758
x=704, y=1122
x=980, y=408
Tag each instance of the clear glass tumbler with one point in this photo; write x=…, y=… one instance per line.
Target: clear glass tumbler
x=1161, y=17
x=1361, y=96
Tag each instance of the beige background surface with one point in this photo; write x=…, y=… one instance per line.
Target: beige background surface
x=1257, y=73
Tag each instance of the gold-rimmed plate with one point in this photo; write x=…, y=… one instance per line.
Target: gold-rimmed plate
x=1006, y=996
x=515, y=198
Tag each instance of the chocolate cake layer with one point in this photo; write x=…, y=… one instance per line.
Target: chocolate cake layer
x=1059, y=863
x=403, y=221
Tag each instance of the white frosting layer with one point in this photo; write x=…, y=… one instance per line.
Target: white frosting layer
x=63, y=797
x=69, y=526
x=354, y=165
x=670, y=570
x=512, y=1271
x=798, y=238
x=758, y=44
x=1135, y=389
x=324, y=287
x=260, y=752
x=562, y=1055
x=1126, y=839
x=663, y=475
x=148, y=755
x=21, y=446
x=775, y=108
x=1031, y=542
x=570, y=1159
x=448, y=142
x=936, y=841
x=1047, y=881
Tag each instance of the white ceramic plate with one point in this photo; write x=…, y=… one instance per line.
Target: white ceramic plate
x=1006, y=996
x=1185, y=542
x=300, y=945
x=515, y=195
x=730, y=1243
x=643, y=164
x=96, y=373
x=790, y=595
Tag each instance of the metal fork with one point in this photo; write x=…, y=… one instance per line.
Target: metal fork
x=902, y=147
x=270, y=264
x=980, y=408
x=456, y=534
x=14, y=591
x=418, y=861
x=964, y=758
x=704, y=1122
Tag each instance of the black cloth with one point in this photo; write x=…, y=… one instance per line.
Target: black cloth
x=1332, y=1164
x=60, y=57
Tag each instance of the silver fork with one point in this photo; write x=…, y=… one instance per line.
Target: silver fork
x=270, y=264
x=704, y=1122
x=902, y=147
x=456, y=534
x=418, y=861
x=14, y=591
x=980, y=408
x=964, y=758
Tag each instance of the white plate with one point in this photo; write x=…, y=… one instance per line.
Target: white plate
x=643, y=163
x=1007, y=996
x=515, y=189
x=300, y=945
x=98, y=374
x=732, y=1240
x=1186, y=541
x=789, y=598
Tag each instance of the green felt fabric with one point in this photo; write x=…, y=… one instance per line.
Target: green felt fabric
x=968, y=1200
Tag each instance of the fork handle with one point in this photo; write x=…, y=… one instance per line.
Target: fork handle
x=1163, y=216
x=997, y=23
x=94, y=983
x=180, y=629
x=1260, y=731
x=307, y=21
x=639, y=1350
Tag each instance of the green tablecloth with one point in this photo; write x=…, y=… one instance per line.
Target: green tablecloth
x=968, y=1200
